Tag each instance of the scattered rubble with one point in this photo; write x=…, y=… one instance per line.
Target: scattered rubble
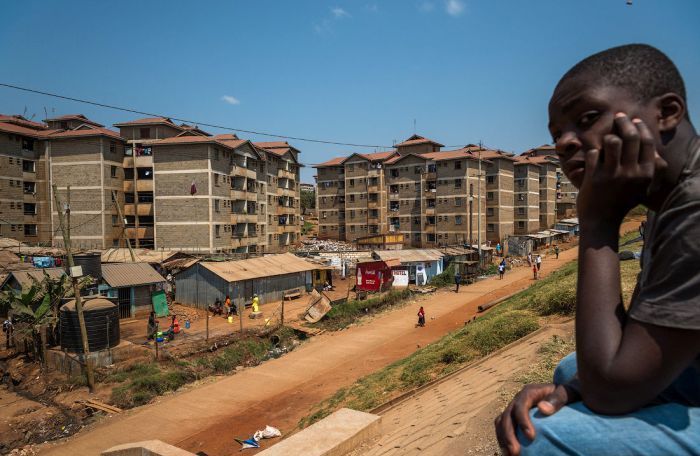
x=327, y=245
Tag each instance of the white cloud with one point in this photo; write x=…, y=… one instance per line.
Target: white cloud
x=426, y=7
x=231, y=100
x=373, y=8
x=339, y=13
x=454, y=7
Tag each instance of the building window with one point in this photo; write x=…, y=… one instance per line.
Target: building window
x=521, y=211
x=458, y=201
x=521, y=197
x=352, y=198
x=30, y=230
x=112, y=147
x=521, y=225
x=145, y=133
x=216, y=180
x=458, y=183
x=490, y=227
x=489, y=196
x=394, y=173
x=29, y=166
x=458, y=164
x=490, y=179
x=489, y=212
x=458, y=219
x=217, y=205
x=217, y=230
x=113, y=171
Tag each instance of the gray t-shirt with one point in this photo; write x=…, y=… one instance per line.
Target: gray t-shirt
x=668, y=289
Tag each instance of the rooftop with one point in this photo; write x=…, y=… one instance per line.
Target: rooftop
x=410, y=255
x=417, y=139
x=118, y=275
x=150, y=121
x=256, y=268
x=22, y=122
x=78, y=117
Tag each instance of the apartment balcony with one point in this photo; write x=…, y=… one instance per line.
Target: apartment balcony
x=138, y=209
x=394, y=196
x=240, y=240
x=428, y=228
x=372, y=204
x=129, y=186
x=239, y=194
x=243, y=218
x=286, y=192
x=130, y=209
x=287, y=228
x=373, y=188
x=143, y=161
x=373, y=219
x=430, y=175
x=282, y=210
x=144, y=185
x=139, y=233
x=284, y=174
x=430, y=211
x=128, y=162
x=240, y=171
x=372, y=172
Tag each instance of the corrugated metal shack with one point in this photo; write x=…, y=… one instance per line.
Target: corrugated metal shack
x=423, y=264
x=269, y=277
x=132, y=286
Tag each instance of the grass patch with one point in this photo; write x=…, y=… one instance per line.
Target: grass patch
x=445, y=278
x=307, y=227
x=139, y=383
x=550, y=353
x=343, y=315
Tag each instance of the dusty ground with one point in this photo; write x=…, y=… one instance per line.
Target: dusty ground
x=280, y=392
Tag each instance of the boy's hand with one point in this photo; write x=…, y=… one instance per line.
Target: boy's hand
x=619, y=180
x=548, y=397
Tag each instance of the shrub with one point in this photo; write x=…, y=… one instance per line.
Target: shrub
x=445, y=278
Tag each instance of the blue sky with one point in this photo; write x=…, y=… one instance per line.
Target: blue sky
x=346, y=71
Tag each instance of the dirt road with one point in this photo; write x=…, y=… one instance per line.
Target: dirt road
x=282, y=391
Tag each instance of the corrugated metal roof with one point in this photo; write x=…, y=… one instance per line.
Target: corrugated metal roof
x=255, y=268
x=118, y=275
x=570, y=221
x=410, y=255
x=25, y=277
x=122, y=255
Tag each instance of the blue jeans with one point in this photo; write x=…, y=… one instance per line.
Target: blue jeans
x=669, y=426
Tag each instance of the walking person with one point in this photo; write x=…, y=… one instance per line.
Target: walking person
x=529, y=258
x=8, y=328
x=421, y=317
x=556, y=251
x=458, y=280
x=502, y=268
x=534, y=272
x=498, y=249
x=538, y=262
x=151, y=328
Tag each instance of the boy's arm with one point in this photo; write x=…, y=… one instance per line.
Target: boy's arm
x=622, y=363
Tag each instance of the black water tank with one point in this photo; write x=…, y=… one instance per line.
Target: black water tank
x=91, y=263
x=101, y=322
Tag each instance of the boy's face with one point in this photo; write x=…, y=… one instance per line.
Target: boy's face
x=581, y=113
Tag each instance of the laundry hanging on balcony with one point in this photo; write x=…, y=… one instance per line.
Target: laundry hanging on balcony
x=193, y=188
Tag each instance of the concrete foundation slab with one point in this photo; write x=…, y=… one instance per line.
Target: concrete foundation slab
x=334, y=435
x=146, y=448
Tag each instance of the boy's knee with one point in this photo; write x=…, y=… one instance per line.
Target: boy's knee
x=548, y=434
x=566, y=369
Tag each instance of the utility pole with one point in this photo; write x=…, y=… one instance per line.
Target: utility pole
x=478, y=220
x=121, y=218
x=65, y=231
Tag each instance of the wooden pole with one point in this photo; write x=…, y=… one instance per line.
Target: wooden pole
x=207, y=323
x=282, y=316
x=121, y=219
x=155, y=338
x=65, y=231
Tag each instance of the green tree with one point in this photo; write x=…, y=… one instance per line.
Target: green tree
x=308, y=200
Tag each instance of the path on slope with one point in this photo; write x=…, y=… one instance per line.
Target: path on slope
x=453, y=415
x=281, y=391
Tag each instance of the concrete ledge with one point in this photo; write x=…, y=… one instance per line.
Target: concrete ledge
x=146, y=448
x=335, y=435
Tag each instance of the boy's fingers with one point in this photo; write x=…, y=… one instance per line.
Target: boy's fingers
x=505, y=433
x=591, y=163
x=612, y=146
x=647, y=149
x=630, y=139
x=554, y=401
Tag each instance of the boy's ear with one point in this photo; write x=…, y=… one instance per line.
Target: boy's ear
x=671, y=111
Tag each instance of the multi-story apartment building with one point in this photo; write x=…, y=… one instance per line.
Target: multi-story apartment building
x=283, y=195
x=500, y=169
x=66, y=151
x=526, y=196
x=178, y=186
x=565, y=192
x=429, y=195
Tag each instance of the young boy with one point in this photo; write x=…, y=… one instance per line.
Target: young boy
x=620, y=123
